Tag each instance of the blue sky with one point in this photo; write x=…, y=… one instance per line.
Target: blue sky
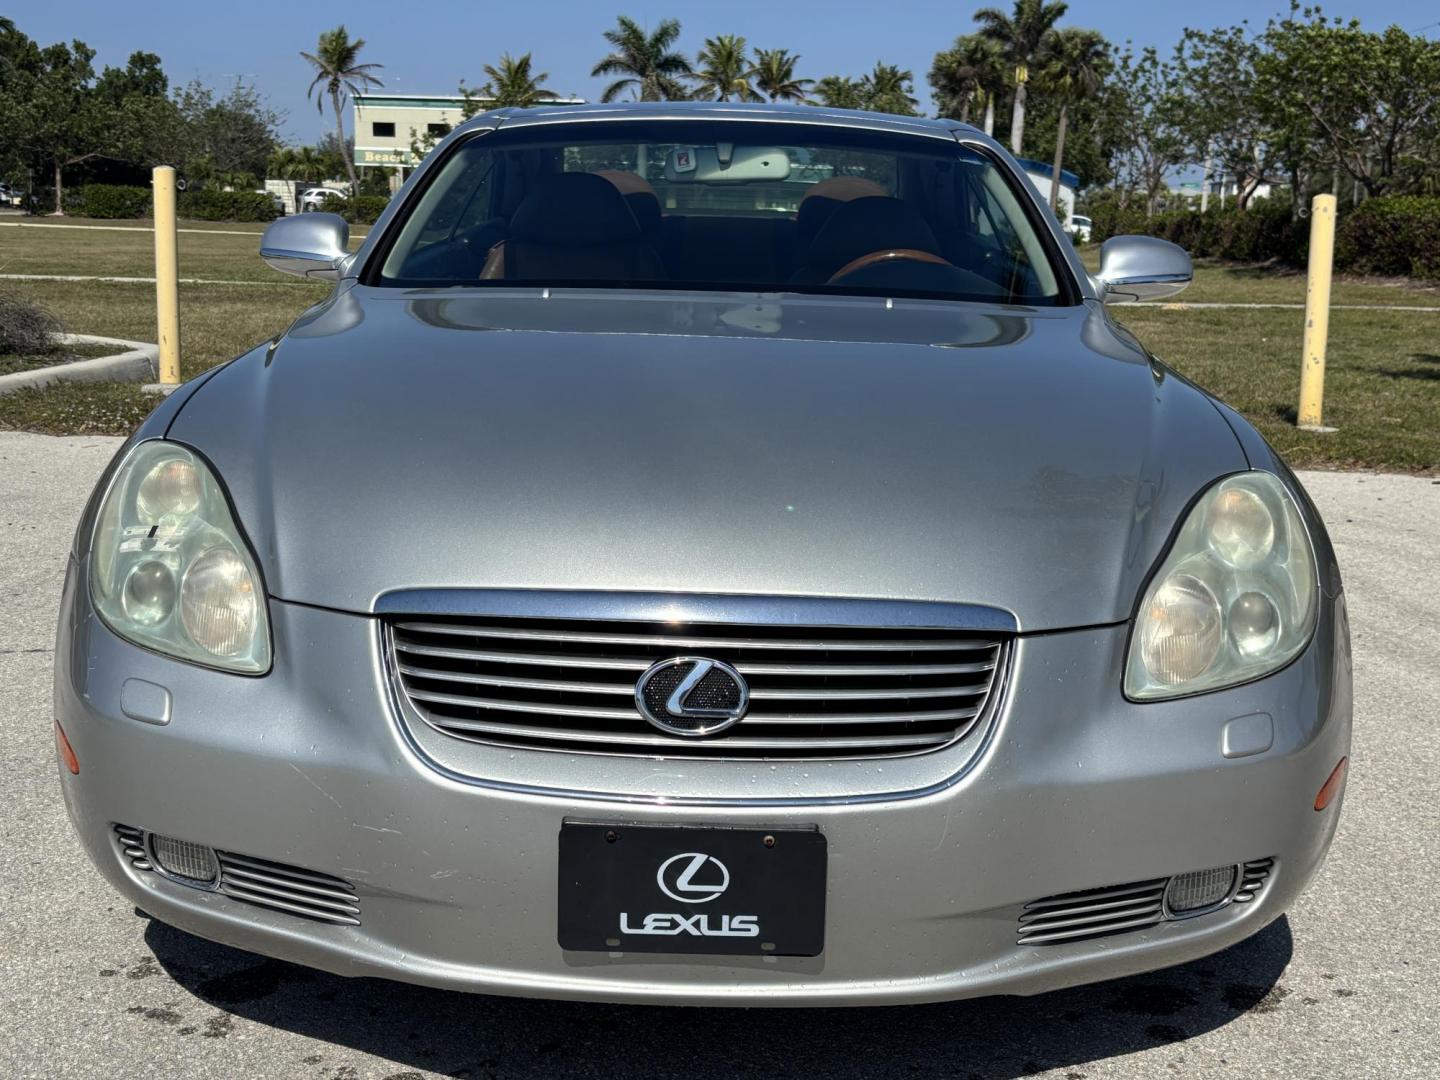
x=429, y=45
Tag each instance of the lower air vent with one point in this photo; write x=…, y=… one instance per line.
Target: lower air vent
x=1252, y=879
x=305, y=893
x=1119, y=909
x=132, y=846
x=1093, y=913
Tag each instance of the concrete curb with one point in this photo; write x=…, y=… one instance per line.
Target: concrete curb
x=137, y=362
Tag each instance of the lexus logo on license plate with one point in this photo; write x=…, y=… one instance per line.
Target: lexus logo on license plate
x=692, y=877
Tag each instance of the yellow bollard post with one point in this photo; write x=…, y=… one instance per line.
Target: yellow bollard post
x=1317, y=313
x=167, y=276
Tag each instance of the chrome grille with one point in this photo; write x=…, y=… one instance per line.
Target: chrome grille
x=1093, y=912
x=1119, y=909
x=1252, y=879
x=815, y=691
x=306, y=893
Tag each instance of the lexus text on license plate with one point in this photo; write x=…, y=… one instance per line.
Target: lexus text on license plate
x=691, y=889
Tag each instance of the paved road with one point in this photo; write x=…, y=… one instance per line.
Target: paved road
x=1345, y=986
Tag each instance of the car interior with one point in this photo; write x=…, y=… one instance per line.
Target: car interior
x=722, y=215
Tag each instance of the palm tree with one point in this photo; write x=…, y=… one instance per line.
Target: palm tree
x=774, y=75
x=1022, y=36
x=511, y=83
x=722, y=70
x=887, y=89
x=647, y=63
x=967, y=74
x=339, y=72
x=838, y=92
x=1076, y=65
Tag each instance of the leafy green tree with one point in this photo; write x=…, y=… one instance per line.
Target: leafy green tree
x=838, y=92
x=1150, y=110
x=723, y=71
x=145, y=125
x=648, y=64
x=1076, y=64
x=774, y=75
x=888, y=89
x=969, y=74
x=512, y=83
x=1362, y=102
x=1022, y=36
x=1219, y=72
x=52, y=112
x=227, y=141
x=339, y=73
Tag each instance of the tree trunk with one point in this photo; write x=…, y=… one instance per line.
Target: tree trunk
x=1059, y=157
x=990, y=113
x=965, y=107
x=340, y=133
x=1244, y=191
x=1205, y=182
x=59, y=192
x=1017, y=120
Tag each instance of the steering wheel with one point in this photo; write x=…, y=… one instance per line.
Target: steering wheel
x=888, y=255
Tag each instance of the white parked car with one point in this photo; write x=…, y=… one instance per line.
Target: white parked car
x=1080, y=228
x=312, y=198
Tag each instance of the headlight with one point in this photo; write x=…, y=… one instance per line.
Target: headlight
x=1235, y=599
x=168, y=567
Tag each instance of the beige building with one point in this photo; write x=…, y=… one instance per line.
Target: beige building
x=389, y=128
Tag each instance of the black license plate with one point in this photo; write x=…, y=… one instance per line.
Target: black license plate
x=691, y=889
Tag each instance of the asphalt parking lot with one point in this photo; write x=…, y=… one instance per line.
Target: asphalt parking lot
x=1346, y=985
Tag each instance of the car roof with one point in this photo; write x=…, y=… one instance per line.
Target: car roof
x=717, y=110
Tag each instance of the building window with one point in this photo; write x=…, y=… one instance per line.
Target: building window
x=438, y=130
x=382, y=130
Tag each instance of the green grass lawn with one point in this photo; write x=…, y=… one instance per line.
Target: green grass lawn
x=1382, y=389
x=1217, y=282
x=110, y=252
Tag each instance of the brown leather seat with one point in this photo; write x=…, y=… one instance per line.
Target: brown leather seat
x=574, y=227
x=640, y=197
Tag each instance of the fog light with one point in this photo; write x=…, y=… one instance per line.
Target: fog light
x=192, y=863
x=1199, y=889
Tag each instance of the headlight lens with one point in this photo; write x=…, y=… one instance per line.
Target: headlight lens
x=1236, y=597
x=168, y=567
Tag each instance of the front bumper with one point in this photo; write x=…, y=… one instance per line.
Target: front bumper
x=456, y=881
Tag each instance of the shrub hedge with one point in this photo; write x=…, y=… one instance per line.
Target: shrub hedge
x=361, y=210
x=109, y=201
x=209, y=204
x=1397, y=235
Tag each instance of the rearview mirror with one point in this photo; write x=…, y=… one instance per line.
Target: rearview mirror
x=307, y=245
x=726, y=164
x=1142, y=268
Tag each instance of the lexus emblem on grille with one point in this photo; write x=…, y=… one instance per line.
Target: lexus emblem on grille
x=677, y=877
x=692, y=696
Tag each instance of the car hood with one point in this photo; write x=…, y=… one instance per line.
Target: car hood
x=1034, y=460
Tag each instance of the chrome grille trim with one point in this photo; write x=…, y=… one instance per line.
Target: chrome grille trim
x=307, y=893
x=1093, y=912
x=1120, y=909
x=552, y=683
x=1253, y=876
x=132, y=846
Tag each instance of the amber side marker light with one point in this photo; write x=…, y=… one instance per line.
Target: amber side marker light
x=1332, y=786
x=66, y=752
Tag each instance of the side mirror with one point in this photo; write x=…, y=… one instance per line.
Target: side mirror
x=307, y=245
x=1142, y=268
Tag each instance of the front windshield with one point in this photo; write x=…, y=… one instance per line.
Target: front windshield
x=721, y=206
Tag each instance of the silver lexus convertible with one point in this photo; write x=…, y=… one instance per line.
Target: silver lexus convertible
x=706, y=554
